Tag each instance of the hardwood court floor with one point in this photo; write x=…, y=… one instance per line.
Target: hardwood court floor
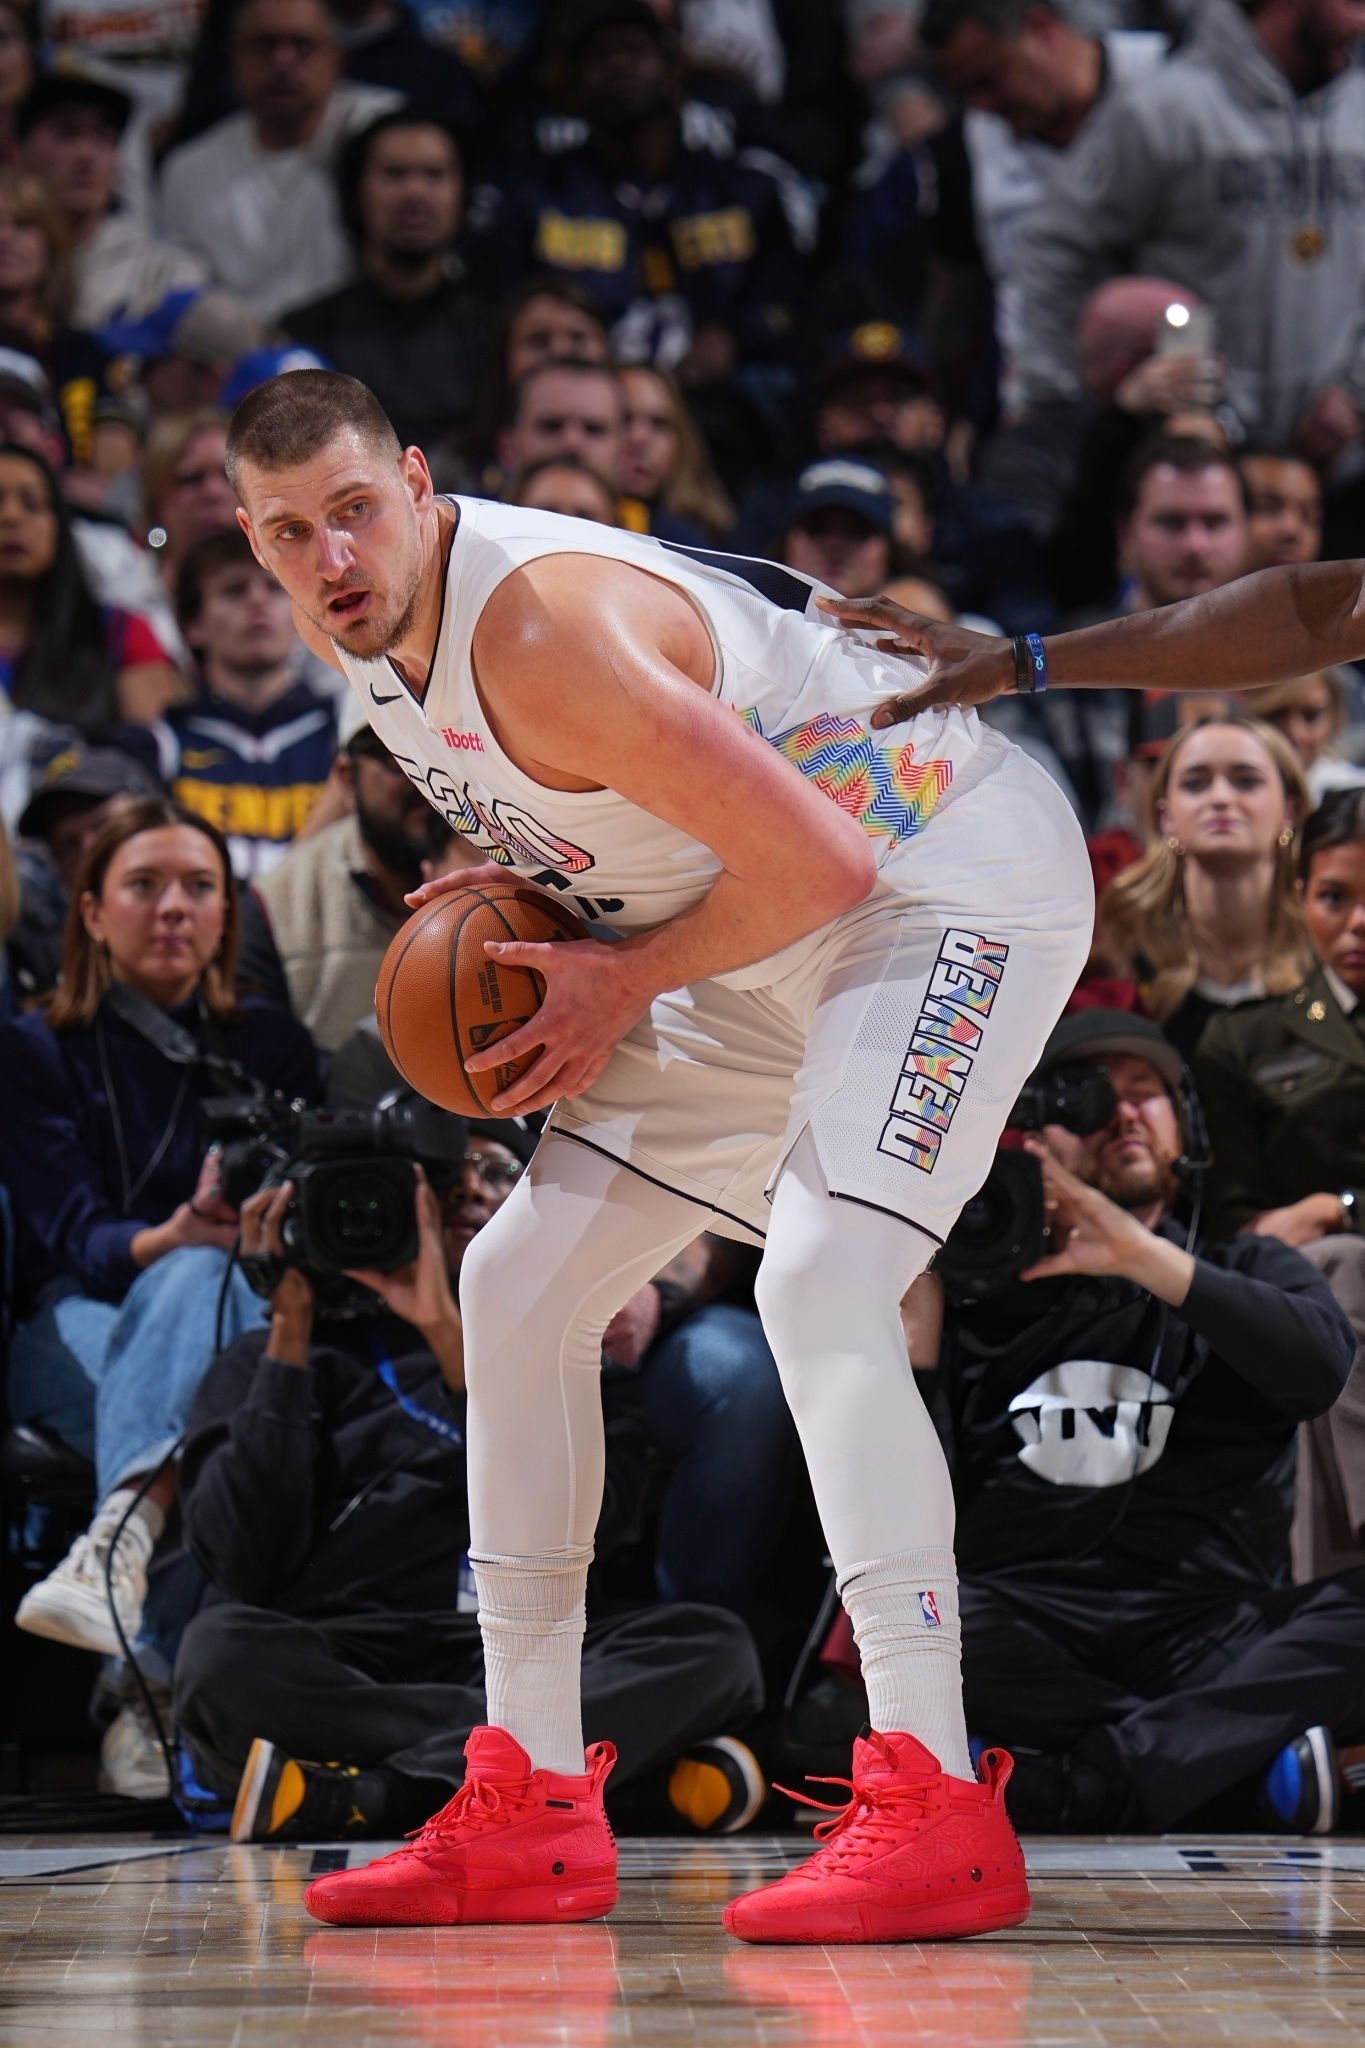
x=1192, y=1942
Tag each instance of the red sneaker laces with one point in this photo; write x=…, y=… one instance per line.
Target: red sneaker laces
x=868, y=1818
x=479, y=1804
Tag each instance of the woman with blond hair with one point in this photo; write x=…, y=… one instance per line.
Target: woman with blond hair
x=666, y=469
x=122, y=1237
x=1311, y=713
x=1210, y=917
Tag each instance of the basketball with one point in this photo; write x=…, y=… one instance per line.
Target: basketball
x=440, y=998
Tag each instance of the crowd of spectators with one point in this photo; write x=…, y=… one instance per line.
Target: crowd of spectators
x=1027, y=312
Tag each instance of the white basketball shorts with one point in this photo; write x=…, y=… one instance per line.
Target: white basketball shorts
x=902, y=1040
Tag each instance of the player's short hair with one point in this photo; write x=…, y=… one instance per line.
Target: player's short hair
x=1187, y=454
x=294, y=416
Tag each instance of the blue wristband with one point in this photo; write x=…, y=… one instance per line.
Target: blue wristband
x=1030, y=665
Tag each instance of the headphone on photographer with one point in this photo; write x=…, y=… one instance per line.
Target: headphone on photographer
x=1087, y=1036
x=1196, y=1150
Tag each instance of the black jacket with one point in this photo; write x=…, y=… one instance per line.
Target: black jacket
x=1108, y=1441
x=93, y=1114
x=420, y=357
x=310, y=1490
x=1283, y=1091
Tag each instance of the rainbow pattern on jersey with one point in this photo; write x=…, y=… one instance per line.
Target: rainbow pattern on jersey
x=889, y=793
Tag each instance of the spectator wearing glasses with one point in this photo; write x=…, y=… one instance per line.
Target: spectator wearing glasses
x=686, y=1358
x=255, y=196
x=185, y=492
x=325, y=1497
x=1312, y=713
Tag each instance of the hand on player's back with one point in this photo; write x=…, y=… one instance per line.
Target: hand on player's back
x=963, y=667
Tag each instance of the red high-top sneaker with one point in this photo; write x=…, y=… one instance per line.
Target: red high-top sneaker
x=513, y=1844
x=915, y=1856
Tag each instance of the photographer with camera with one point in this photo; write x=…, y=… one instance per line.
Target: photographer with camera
x=324, y=1492
x=122, y=1235
x=1123, y=1412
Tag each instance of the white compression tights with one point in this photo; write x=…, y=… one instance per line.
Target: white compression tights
x=540, y=1284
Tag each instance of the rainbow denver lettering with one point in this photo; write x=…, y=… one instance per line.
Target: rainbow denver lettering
x=938, y=1058
x=878, y=785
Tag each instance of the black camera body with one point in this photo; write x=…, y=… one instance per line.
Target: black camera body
x=354, y=1200
x=1003, y=1229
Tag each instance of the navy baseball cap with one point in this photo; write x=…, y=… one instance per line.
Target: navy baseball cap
x=878, y=348
x=93, y=772
x=851, y=486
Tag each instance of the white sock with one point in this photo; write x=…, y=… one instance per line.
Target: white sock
x=905, y=1621
x=112, y=1511
x=531, y=1614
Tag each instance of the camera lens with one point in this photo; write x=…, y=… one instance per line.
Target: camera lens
x=1000, y=1231
x=364, y=1215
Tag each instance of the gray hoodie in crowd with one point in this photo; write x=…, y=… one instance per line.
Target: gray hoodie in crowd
x=1213, y=172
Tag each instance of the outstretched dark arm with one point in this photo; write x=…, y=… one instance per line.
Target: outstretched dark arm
x=1260, y=629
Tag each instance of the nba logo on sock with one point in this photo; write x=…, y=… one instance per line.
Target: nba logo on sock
x=929, y=1609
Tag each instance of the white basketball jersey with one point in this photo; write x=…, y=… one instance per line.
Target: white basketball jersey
x=804, y=686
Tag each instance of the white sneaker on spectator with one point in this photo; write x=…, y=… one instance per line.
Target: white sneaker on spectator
x=132, y=1761
x=71, y=1605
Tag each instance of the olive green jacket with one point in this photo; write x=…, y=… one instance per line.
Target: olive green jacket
x=1282, y=1086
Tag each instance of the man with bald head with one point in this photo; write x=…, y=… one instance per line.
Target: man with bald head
x=1197, y=172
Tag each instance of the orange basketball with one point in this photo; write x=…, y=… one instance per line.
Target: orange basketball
x=440, y=998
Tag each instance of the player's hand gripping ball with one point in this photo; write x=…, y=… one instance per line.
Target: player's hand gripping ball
x=440, y=999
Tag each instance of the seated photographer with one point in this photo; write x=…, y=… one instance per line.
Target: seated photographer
x=1283, y=1088
x=123, y=1238
x=324, y=1494
x=688, y=1356
x=1123, y=1413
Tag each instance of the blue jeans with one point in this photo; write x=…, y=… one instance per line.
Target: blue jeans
x=715, y=1410
x=115, y=1380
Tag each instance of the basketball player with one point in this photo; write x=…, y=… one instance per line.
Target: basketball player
x=1260, y=629
x=840, y=957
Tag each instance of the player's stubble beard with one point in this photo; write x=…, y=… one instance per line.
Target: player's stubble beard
x=374, y=638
